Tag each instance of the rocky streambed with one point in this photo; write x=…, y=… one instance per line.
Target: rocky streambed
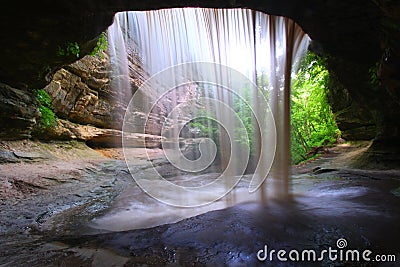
x=64, y=204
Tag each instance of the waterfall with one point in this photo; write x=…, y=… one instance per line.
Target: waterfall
x=222, y=76
x=119, y=62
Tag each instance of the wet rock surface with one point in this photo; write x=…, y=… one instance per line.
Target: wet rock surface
x=331, y=210
x=52, y=224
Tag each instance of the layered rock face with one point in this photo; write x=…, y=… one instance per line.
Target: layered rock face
x=91, y=108
x=81, y=93
x=360, y=39
x=355, y=121
x=18, y=113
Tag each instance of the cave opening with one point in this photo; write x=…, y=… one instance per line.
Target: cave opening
x=214, y=107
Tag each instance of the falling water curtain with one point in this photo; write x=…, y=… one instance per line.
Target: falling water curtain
x=286, y=44
x=260, y=46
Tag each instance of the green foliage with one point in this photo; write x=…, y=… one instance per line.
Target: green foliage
x=48, y=117
x=44, y=98
x=101, y=45
x=373, y=72
x=73, y=48
x=312, y=121
x=46, y=109
x=209, y=128
x=205, y=126
x=245, y=136
x=69, y=49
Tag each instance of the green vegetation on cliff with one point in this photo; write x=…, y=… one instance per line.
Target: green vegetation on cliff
x=101, y=45
x=71, y=48
x=46, y=109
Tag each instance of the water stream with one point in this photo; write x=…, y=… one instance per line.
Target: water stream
x=219, y=87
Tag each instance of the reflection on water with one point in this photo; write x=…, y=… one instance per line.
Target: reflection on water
x=134, y=209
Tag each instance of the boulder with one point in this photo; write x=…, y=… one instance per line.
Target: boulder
x=8, y=157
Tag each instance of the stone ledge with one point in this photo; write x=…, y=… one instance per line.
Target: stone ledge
x=96, y=137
